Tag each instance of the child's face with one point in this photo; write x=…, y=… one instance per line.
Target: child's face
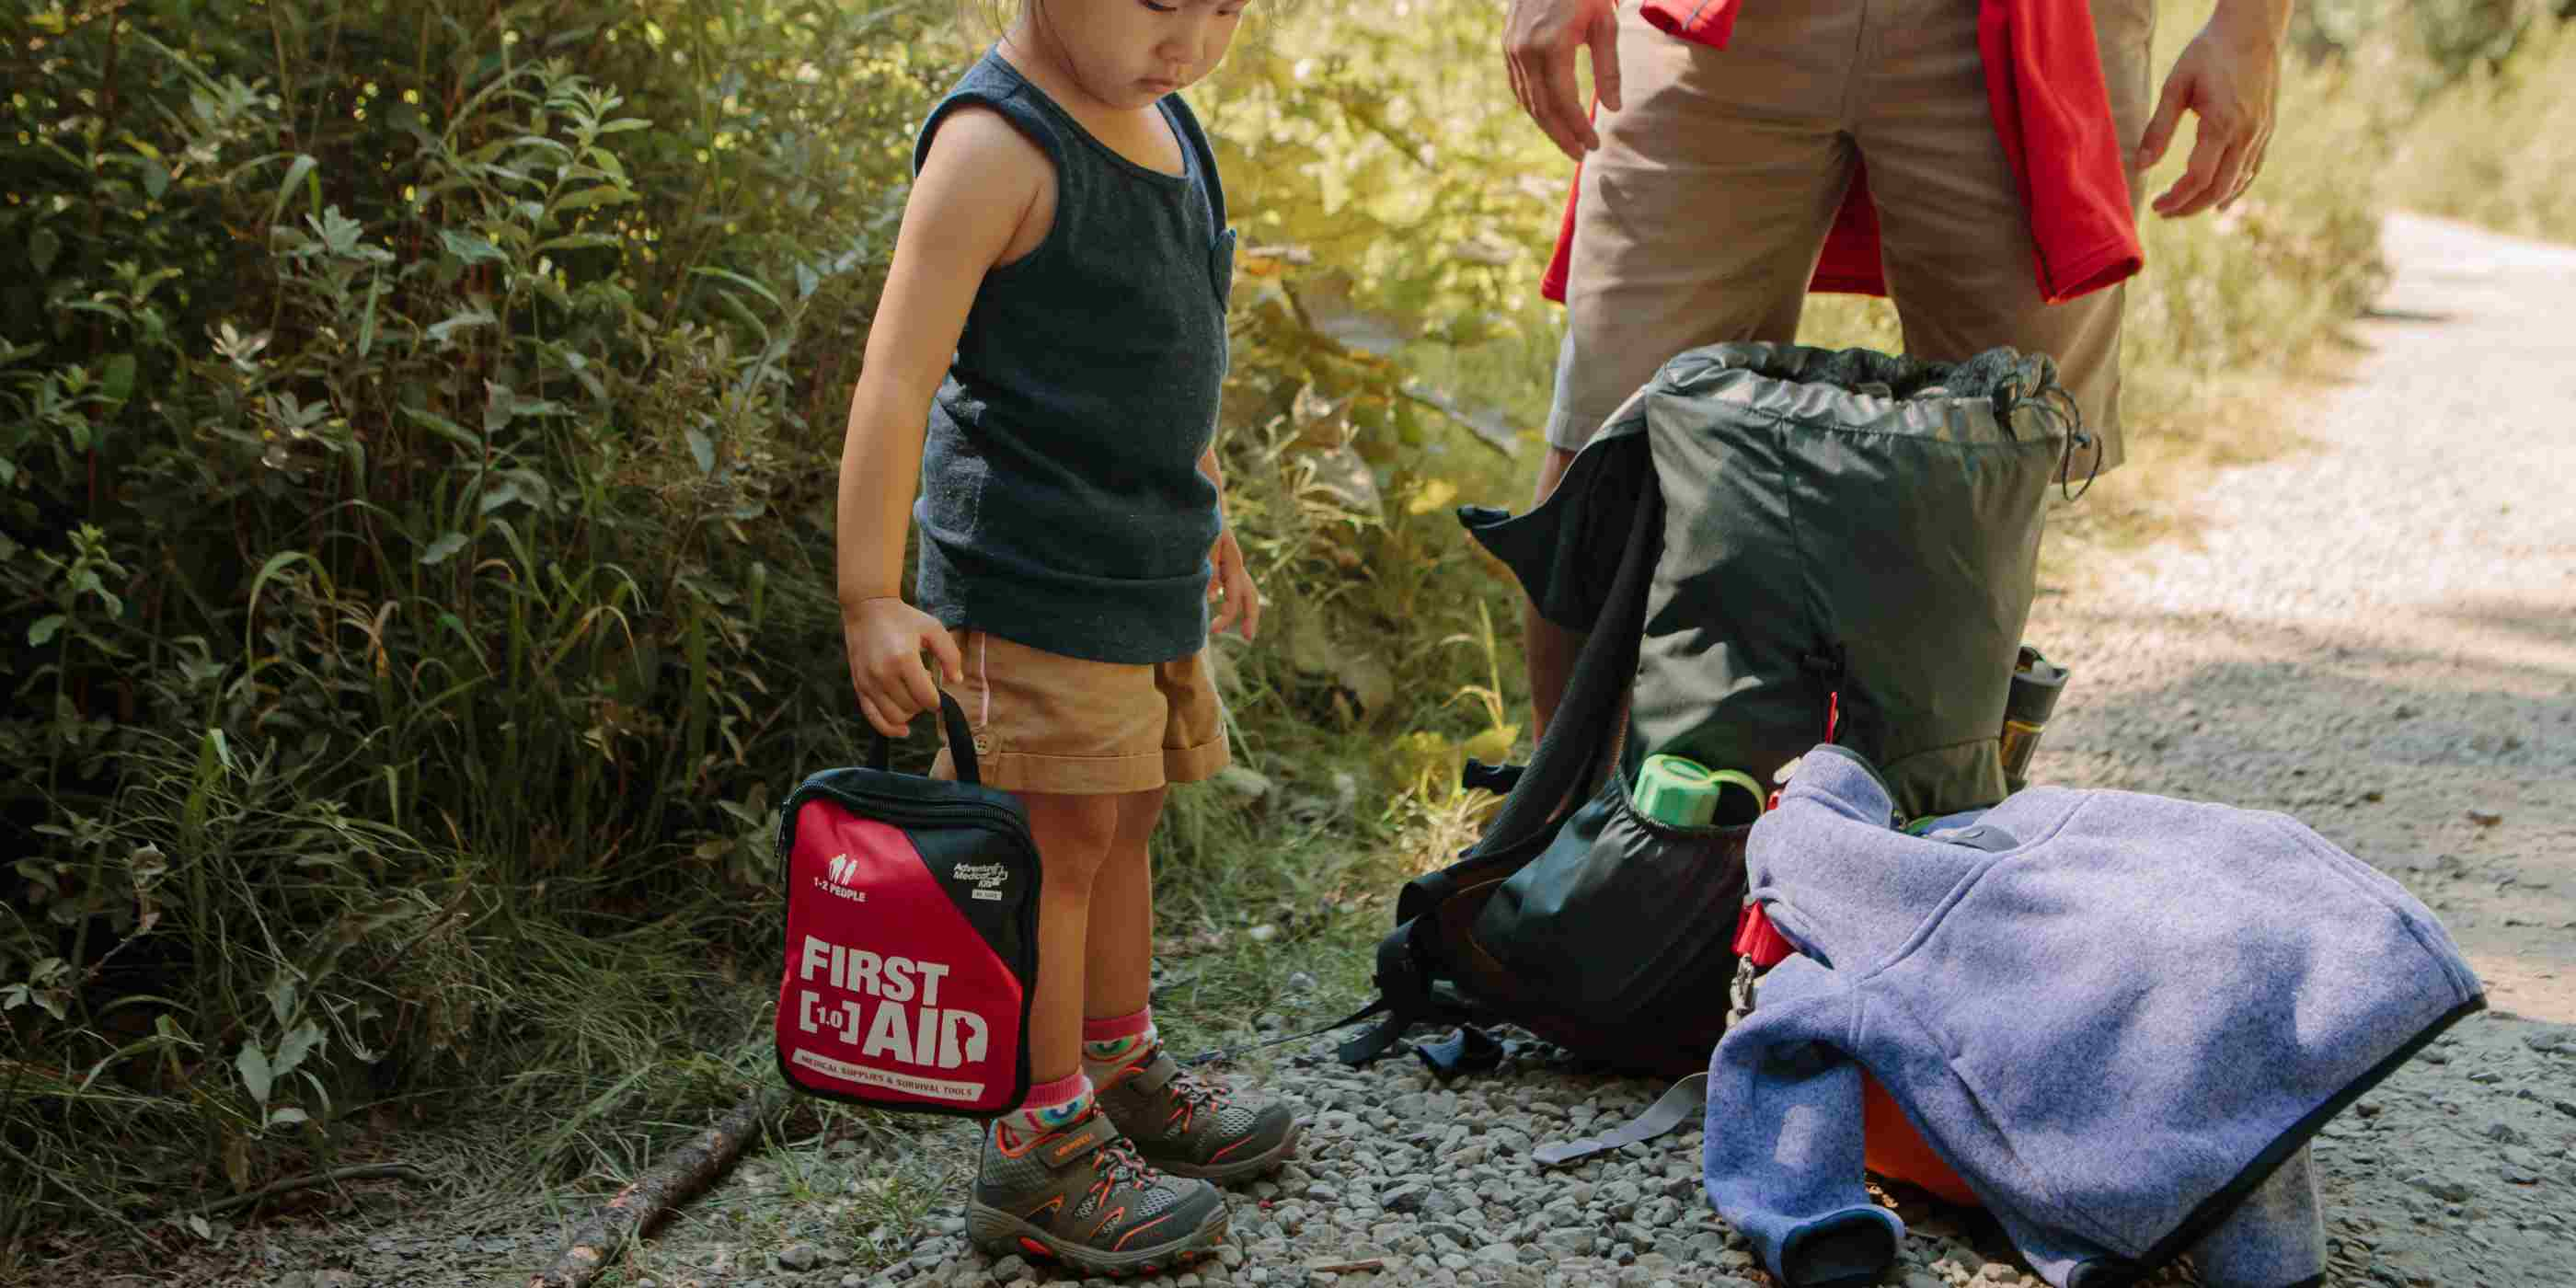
x=1128, y=53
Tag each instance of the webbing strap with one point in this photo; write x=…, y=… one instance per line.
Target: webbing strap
x=1682, y=1102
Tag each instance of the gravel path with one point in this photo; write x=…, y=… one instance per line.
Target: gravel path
x=2375, y=631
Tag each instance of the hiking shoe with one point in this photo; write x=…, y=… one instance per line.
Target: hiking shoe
x=1189, y=1126
x=1081, y=1195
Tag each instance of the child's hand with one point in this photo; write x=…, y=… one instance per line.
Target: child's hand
x=885, y=639
x=1238, y=604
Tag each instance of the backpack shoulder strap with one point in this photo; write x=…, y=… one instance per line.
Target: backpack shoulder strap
x=1578, y=746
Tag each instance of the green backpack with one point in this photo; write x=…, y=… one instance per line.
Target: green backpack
x=1769, y=546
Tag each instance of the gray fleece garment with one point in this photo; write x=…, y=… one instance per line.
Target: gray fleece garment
x=2119, y=1017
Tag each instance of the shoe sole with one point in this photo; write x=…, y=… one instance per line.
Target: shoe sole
x=1000, y=1234
x=1238, y=1168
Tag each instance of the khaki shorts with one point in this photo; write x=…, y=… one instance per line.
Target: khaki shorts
x=1047, y=723
x=1701, y=217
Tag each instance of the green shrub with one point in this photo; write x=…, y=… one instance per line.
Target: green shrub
x=2495, y=148
x=410, y=420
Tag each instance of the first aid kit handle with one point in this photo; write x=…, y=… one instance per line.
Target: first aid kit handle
x=961, y=743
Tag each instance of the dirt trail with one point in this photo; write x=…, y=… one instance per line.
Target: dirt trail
x=2376, y=631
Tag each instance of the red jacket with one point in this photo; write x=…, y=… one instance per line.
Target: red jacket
x=2052, y=111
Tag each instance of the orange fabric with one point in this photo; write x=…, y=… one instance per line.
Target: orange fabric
x=1895, y=1150
x=2052, y=113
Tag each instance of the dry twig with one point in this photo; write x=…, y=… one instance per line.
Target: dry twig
x=652, y=1196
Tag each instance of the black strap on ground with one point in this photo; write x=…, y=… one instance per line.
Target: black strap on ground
x=1473, y=1050
x=1403, y=991
x=1228, y=1053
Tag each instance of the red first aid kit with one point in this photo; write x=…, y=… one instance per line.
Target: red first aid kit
x=912, y=937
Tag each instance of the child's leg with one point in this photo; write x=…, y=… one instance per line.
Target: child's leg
x=1180, y=1122
x=1074, y=835
x=1118, y=962
x=1118, y=974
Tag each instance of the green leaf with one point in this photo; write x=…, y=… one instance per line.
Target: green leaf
x=702, y=448
x=286, y=190
x=443, y=427
x=156, y=177
x=447, y=544
x=593, y=198
x=118, y=381
x=471, y=249
x=42, y=247
x=281, y=1001
x=299, y=1042
x=474, y=315
x=44, y=629
x=255, y=1074
x=738, y=279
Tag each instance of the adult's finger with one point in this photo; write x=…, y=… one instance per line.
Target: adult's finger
x=2194, y=187
x=2218, y=180
x=2167, y=118
x=1565, y=102
x=2246, y=176
x=1604, y=40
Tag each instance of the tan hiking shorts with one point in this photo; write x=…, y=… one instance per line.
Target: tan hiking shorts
x=1043, y=722
x=1701, y=217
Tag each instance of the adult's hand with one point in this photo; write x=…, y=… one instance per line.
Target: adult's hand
x=2229, y=76
x=1539, y=40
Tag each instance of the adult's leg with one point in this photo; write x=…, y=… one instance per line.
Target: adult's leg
x=1953, y=234
x=1697, y=222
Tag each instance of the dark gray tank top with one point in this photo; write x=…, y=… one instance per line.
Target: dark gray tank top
x=1061, y=502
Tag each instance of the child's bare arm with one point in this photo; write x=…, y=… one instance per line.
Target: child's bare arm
x=981, y=188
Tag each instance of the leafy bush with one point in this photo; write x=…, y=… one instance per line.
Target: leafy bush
x=409, y=426
x=2495, y=147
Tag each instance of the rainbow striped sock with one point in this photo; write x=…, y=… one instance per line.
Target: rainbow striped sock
x=1050, y=1105
x=1110, y=1045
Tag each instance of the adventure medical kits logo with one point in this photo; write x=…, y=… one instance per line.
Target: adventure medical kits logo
x=988, y=879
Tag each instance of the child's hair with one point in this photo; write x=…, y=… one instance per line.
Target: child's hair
x=988, y=19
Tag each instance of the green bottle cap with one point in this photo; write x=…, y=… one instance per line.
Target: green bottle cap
x=1682, y=792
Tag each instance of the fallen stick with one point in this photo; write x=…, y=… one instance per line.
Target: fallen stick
x=1346, y=1267
x=354, y=1172
x=652, y=1196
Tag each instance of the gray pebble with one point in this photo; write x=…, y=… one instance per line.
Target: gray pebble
x=2440, y=1187
x=800, y=1257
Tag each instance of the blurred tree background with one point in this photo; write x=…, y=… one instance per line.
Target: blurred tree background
x=418, y=425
